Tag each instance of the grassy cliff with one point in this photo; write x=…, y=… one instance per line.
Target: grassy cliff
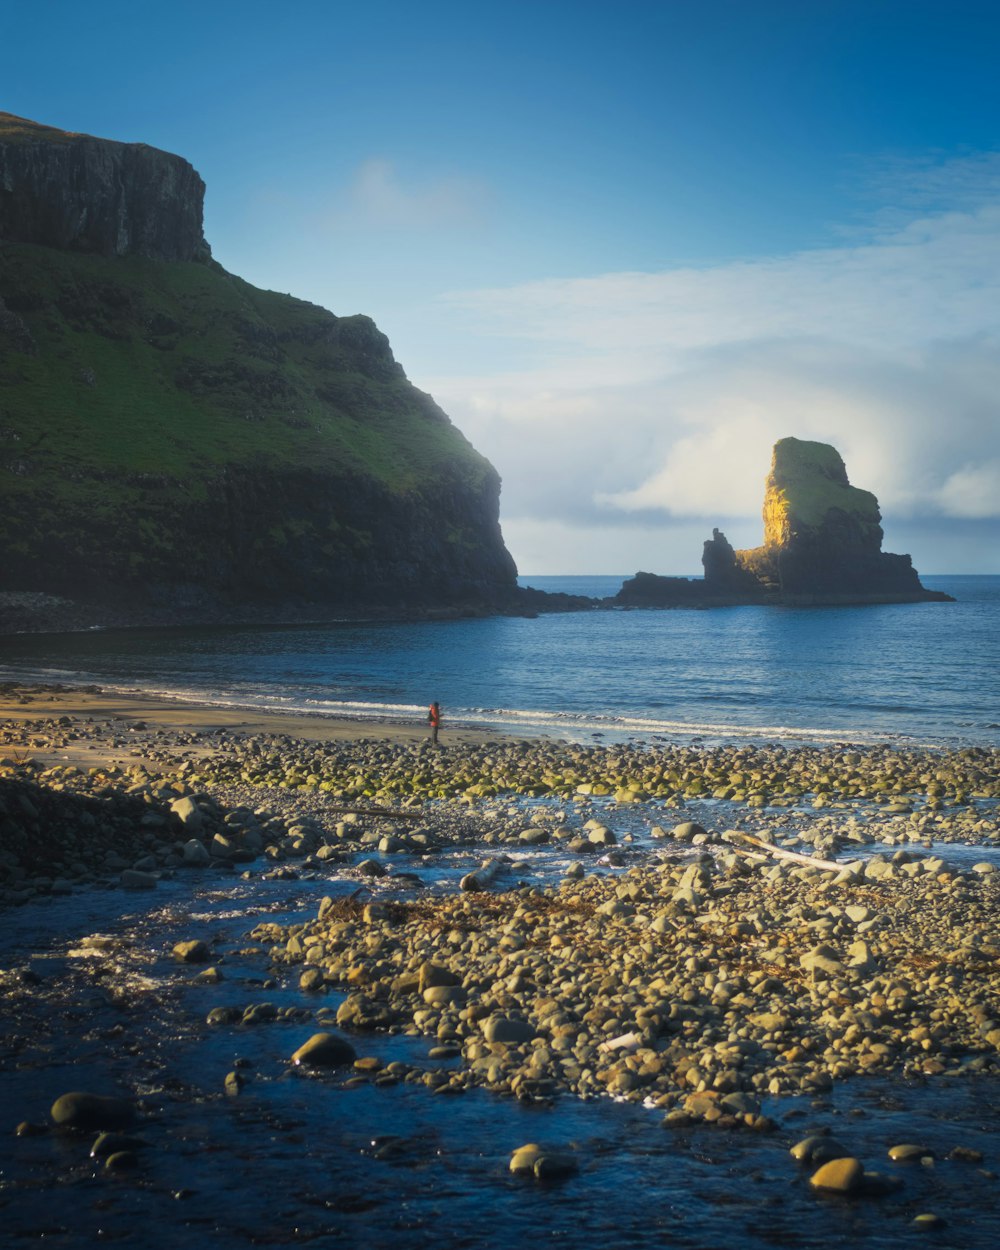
x=167, y=430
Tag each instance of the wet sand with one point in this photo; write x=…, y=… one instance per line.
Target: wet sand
x=25, y=704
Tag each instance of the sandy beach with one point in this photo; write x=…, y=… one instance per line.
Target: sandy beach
x=105, y=710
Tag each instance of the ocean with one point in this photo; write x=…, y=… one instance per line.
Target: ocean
x=914, y=674
x=328, y=1160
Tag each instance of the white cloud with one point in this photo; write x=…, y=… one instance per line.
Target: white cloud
x=380, y=197
x=972, y=491
x=663, y=392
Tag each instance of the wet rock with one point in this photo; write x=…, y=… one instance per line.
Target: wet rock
x=122, y=1161
x=818, y=1149
x=108, y=1144
x=28, y=1129
x=192, y=951
x=234, y=1083
x=80, y=1110
x=195, y=854
x=541, y=1163
x=687, y=830
x=312, y=980
x=224, y=1015
x=842, y=1176
x=209, y=976
x=908, y=1152
x=325, y=1050
x=133, y=879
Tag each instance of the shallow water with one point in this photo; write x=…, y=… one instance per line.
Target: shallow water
x=298, y=1160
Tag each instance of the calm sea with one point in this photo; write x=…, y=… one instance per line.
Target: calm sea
x=917, y=673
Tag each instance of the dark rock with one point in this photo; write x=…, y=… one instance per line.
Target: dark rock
x=108, y=1144
x=234, y=1083
x=79, y=193
x=193, y=951
x=122, y=1161
x=92, y=1111
x=822, y=545
x=324, y=1050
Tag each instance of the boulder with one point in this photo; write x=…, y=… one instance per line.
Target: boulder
x=324, y=1050
x=92, y=1112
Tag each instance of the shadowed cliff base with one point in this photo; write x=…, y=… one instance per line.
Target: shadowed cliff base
x=822, y=546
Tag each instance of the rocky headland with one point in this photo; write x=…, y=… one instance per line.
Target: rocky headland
x=177, y=446
x=822, y=545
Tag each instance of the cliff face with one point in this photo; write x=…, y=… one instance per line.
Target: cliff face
x=84, y=194
x=176, y=444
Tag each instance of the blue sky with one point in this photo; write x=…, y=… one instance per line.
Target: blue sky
x=626, y=247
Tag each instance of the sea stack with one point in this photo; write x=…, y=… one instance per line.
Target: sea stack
x=822, y=539
x=822, y=545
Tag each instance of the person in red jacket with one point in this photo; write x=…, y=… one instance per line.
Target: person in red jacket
x=434, y=720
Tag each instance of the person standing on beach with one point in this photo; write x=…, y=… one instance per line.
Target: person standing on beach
x=434, y=720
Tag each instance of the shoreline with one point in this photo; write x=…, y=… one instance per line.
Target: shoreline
x=595, y=955
x=23, y=703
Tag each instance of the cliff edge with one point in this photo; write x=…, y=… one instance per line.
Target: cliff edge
x=81, y=194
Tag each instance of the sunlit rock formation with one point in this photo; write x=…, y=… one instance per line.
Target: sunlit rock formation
x=822, y=545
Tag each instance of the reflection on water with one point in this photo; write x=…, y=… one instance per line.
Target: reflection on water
x=316, y=1160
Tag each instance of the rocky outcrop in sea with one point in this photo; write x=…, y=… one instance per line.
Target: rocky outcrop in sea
x=822, y=545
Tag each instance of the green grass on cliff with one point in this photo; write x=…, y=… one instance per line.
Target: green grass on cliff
x=177, y=370
x=809, y=479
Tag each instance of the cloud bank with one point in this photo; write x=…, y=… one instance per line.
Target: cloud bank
x=655, y=398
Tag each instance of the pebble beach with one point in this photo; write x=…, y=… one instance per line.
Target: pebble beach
x=716, y=937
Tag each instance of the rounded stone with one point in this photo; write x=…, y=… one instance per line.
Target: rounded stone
x=194, y=951
x=233, y=1084
x=554, y=1167
x=523, y=1159
x=442, y=995
x=325, y=1050
x=687, y=830
x=108, y=1144
x=842, y=1176
x=81, y=1110
x=224, y=1015
x=122, y=1161
x=818, y=1149
x=195, y=854
x=909, y=1152
x=506, y=1029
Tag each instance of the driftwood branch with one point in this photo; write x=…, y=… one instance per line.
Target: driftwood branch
x=828, y=865
x=483, y=875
